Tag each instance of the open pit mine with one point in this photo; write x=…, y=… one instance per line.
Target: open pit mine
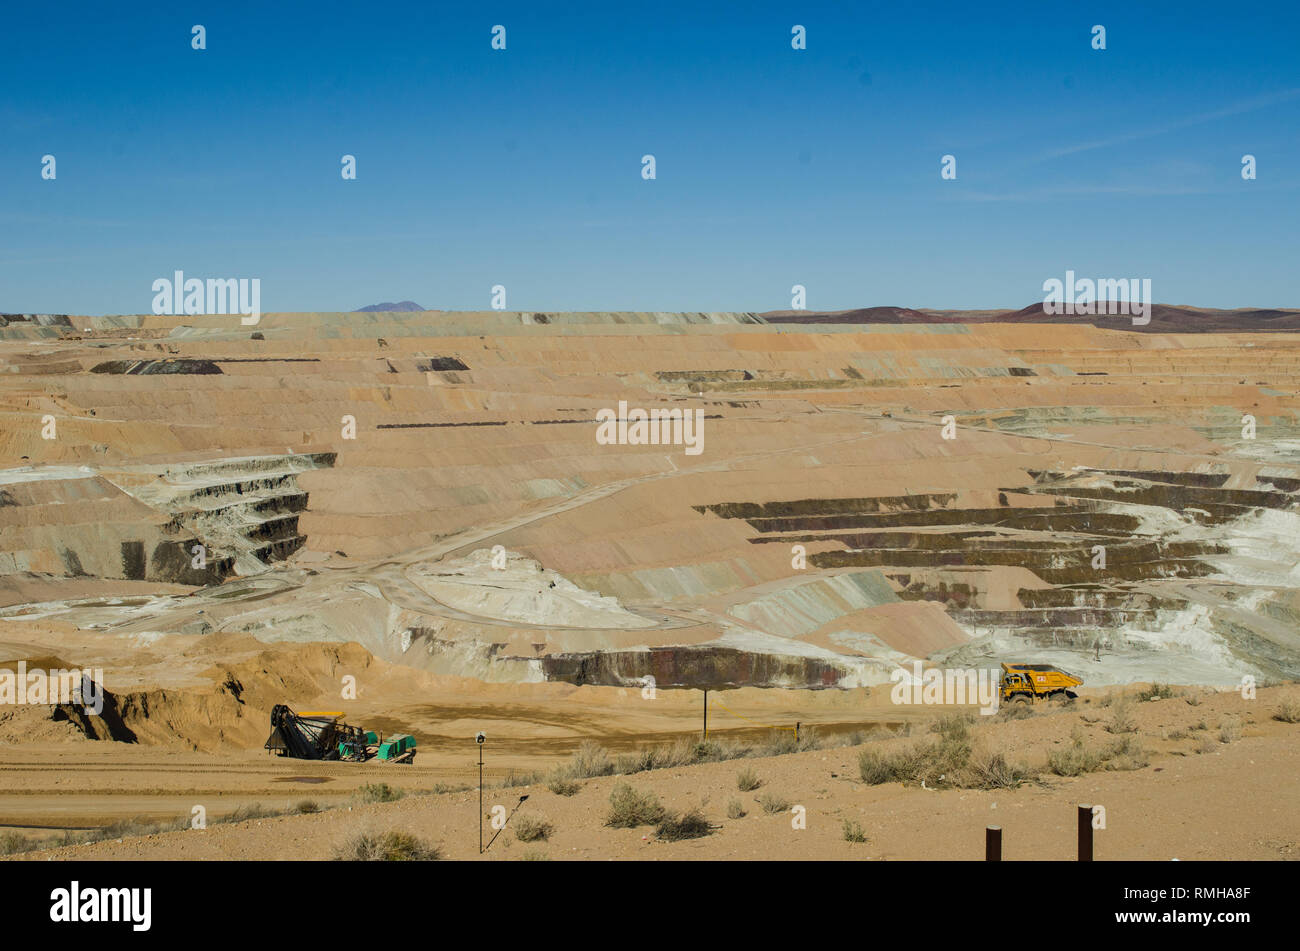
x=223, y=518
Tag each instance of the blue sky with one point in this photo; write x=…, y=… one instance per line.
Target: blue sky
x=523, y=167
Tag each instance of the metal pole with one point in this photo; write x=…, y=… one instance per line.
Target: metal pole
x=706, y=714
x=1085, y=833
x=480, y=799
x=993, y=844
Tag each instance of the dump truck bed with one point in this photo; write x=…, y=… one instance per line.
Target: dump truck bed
x=1043, y=677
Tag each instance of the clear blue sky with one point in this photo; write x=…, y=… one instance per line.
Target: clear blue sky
x=522, y=168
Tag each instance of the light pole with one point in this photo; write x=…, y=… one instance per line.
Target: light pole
x=480, y=738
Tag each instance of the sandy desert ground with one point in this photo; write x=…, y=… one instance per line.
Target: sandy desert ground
x=1199, y=798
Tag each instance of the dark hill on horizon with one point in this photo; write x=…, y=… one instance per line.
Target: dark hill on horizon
x=1165, y=318
x=388, y=307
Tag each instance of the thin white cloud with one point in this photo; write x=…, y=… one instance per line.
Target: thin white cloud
x=1237, y=108
x=1070, y=191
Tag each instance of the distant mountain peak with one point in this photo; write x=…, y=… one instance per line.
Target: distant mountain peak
x=406, y=305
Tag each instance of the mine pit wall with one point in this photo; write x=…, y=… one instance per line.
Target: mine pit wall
x=256, y=520
x=1162, y=531
x=411, y=639
x=253, y=465
x=172, y=561
x=1058, y=565
x=142, y=524
x=152, y=558
x=492, y=654
x=699, y=667
x=480, y=658
x=132, y=552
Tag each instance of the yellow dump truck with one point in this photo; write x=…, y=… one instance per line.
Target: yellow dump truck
x=1024, y=683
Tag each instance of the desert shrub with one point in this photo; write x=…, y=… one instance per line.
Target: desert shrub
x=639, y=761
x=564, y=787
x=993, y=771
x=1015, y=711
x=121, y=829
x=853, y=831
x=379, y=792
x=1157, y=691
x=589, y=760
x=394, y=846
x=306, y=807
x=12, y=843
x=1074, y=760
x=255, y=811
x=875, y=767
x=1206, y=745
x=532, y=828
x=689, y=825
x=735, y=810
x=1288, y=713
x=439, y=788
x=515, y=778
x=953, y=726
x=125, y=828
x=714, y=751
x=1229, y=730
x=747, y=780
x=935, y=763
x=1121, y=720
x=680, y=753
x=709, y=751
x=1125, y=753
x=773, y=804
x=950, y=755
x=629, y=808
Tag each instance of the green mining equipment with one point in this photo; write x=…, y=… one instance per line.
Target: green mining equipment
x=324, y=736
x=359, y=746
x=397, y=749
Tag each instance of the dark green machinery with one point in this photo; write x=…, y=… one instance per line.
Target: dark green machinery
x=324, y=736
x=313, y=735
x=397, y=749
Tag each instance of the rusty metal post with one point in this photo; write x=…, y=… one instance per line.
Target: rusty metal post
x=705, y=735
x=993, y=844
x=1085, y=833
